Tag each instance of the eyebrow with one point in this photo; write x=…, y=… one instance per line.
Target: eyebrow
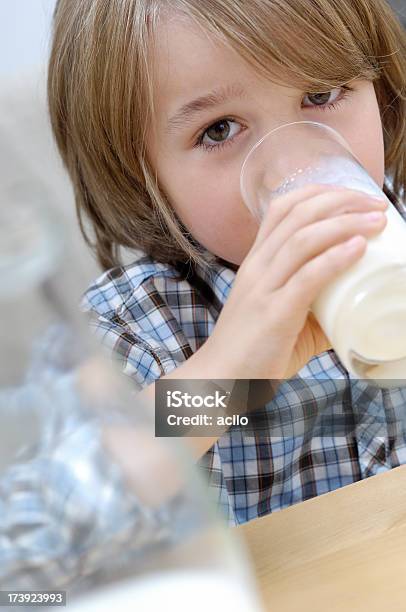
x=189, y=111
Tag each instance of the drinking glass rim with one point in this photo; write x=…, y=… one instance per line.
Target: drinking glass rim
x=337, y=135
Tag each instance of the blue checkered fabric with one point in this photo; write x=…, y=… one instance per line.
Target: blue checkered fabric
x=69, y=518
x=324, y=429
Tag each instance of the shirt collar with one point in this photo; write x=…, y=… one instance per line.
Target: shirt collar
x=219, y=276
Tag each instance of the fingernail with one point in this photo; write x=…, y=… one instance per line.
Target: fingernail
x=374, y=216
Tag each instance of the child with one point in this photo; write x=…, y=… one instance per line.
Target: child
x=154, y=105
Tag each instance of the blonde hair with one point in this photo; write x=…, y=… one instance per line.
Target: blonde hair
x=100, y=97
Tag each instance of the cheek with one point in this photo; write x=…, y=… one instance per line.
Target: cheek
x=217, y=218
x=366, y=137
x=370, y=151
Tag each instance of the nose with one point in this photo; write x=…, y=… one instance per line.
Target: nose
x=271, y=120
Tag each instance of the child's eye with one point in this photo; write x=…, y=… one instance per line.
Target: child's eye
x=218, y=132
x=221, y=134
x=328, y=100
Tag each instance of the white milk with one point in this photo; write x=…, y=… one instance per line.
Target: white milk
x=364, y=309
x=172, y=592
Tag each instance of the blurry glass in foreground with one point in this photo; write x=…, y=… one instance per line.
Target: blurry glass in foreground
x=91, y=502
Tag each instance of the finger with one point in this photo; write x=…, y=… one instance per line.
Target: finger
x=314, y=239
x=322, y=206
x=282, y=205
x=305, y=285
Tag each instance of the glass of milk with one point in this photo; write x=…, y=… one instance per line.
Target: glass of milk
x=363, y=311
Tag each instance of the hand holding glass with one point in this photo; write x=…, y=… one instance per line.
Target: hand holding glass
x=363, y=311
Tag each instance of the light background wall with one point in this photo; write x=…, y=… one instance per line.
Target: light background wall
x=24, y=34
x=28, y=156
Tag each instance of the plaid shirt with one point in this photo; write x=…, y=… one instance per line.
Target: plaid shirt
x=324, y=428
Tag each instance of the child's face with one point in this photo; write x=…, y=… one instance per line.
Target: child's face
x=203, y=185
